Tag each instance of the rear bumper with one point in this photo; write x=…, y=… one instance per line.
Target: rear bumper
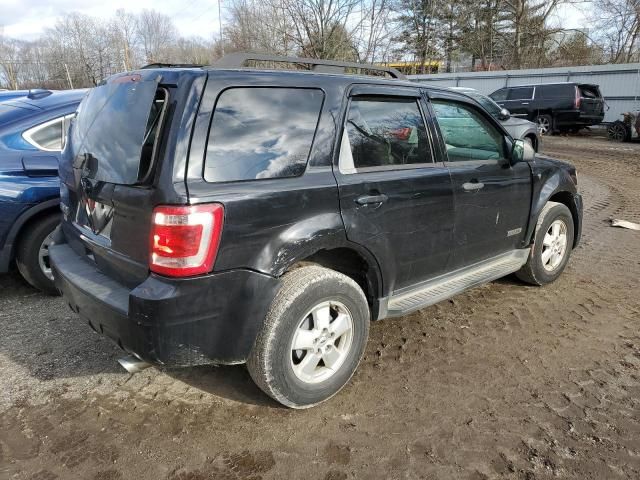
x=178, y=322
x=577, y=118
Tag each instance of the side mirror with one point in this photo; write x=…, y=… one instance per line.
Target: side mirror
x=504, y=114
x=522, y=152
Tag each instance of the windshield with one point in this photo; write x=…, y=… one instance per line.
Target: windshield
x=109, y=134
x=489, y=105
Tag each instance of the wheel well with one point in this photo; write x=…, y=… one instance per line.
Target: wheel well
x=350, y=263
x=36, y=217
x=566, y=198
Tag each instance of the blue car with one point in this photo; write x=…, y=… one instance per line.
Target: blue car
x=33, y=129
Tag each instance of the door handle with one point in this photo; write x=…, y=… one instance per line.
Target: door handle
x=524, y=103
x=472, y=186
x=371, y=199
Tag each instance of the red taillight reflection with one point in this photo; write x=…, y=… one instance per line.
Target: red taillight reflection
x=184, y=239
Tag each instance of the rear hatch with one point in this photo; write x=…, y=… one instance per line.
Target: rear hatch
x=111, y=170
x=591, y=101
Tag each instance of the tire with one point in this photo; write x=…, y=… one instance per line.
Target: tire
x=28, y=258
x=618, y=132
x=542, y=267
x=545, y=124
x=273, y=363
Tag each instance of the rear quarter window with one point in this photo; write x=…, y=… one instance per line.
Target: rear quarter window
x=556, y=91
x=261, y=132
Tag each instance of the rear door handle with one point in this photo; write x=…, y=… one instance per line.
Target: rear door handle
x=371, y=199
x=472, y=186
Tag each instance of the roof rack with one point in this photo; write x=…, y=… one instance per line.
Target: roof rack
x=36, y=93
x=172, y=65
x=237, y=60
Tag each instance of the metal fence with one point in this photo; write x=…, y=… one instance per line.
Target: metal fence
x=619, y=84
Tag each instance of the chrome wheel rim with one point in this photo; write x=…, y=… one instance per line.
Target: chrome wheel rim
x=321, y=342
x=554, y=245
x=543, y=125
x=43, y=256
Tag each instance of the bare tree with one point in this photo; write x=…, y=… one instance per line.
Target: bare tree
x=156, y=33
x=617, y=25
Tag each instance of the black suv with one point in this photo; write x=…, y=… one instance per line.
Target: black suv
x=554, y=106
x=230, y=215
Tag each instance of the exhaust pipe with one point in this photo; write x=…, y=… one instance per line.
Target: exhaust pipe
x=133, y=364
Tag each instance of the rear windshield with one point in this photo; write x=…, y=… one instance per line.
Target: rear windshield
x=589, y=91
x=262, y=132
x=113, y=136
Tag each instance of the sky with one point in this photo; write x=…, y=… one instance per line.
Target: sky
x=27, y=19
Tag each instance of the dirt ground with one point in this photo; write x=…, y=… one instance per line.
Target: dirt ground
x=505, y=381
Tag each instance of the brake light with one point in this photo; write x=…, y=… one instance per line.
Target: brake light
x=184, y=239
x=576, y=103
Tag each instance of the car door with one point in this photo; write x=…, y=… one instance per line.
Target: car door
x=518, y=101
x=492, y=197
x=396, y=197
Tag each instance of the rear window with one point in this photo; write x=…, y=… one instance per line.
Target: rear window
x=556, y=91
x=520, y=93
x=114, y=134
x=261, y=132
x=589, y=91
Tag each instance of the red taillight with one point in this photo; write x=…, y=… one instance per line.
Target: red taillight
x=576, y=103
x=184, y=240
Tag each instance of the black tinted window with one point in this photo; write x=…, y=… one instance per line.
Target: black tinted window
x=500, y=95
x=520, y=93
x=260, y=133
x=385, y=132
x=556, y=91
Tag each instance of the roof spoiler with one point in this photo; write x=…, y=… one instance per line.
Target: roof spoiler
x=238, y=60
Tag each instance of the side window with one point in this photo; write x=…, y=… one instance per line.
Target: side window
x=48, y=136
x=468, y=135
x=556, y=91
x=261, y=132
x=500, y=95
x=381, y=132
x=520, y=93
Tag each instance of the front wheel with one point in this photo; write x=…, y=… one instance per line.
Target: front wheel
x=313, y=337
x=618, y=132
x=552, y=245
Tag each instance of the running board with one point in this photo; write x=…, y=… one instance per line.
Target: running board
x=450, y=284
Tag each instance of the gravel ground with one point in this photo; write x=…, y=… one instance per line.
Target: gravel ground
x=505, y=381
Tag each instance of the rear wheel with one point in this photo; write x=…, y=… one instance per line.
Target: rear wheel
x=618, y=132
x=545, y=124
x=551, y=247
x=32, y=256
x=313, y=337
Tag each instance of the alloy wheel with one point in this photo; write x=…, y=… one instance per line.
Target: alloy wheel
x=43, y=256
x=321, y=342
x=554, y=245
x=544, y=125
